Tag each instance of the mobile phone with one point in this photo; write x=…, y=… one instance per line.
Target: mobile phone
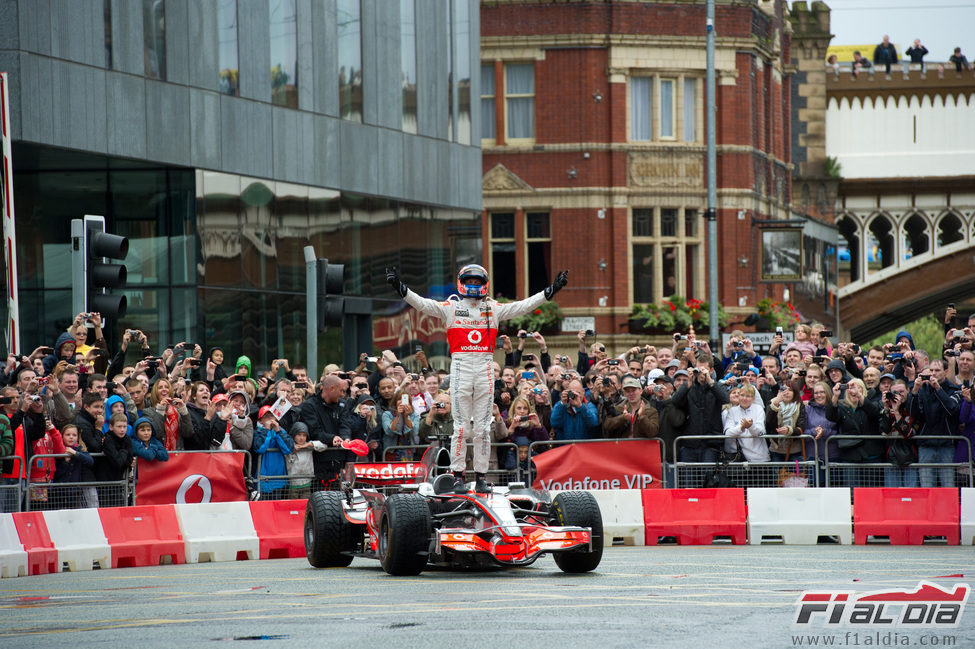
x=418, y=348
x=301, y=385
x=372, y=359
x=843, y=386
x=527, y=375
x=195, y=362
x=528, y=356
x=405, y=400
x=778, y=330
x=826, y=333
x=239, y=377
x=613, y=361
x=47, y=350
x=951, y=305
x=6, y=401
x=98, y=351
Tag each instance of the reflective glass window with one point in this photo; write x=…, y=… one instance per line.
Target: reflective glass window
x=154, y=38
x=642, y=273
x=488, y=117
x=227, y=47
x=520, y=96
x=666, y=108
x=690, y=110
x=350, y=59
x=407, y=44
x=641, y=102
x=462, y=55
x=283, y=28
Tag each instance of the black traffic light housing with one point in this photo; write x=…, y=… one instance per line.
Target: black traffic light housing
x=94, y=276
x=331, y=286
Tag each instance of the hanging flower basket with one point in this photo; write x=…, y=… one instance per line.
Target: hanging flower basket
x=545, y=319
x=675, y=314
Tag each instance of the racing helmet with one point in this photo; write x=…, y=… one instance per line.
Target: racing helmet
x=472, y=271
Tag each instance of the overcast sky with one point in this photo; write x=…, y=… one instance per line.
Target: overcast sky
x=941, y=25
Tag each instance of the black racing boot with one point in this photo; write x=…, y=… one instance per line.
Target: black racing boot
x=481, y=485
x=460, y=487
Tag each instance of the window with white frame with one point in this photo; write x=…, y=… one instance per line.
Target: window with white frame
x=663, y=108
x=666, y=244
x=519, y=94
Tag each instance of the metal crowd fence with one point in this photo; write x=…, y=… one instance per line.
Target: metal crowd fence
x=548, y=444
x=880, y=473
x=45, y=495
x=801, y=467
x=290, y=486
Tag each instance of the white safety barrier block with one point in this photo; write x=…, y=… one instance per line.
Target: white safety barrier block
x=217, y=531
x=622, y=511
x=797, y=516
x=79, y=538
x=967, y=516
x=13, y=557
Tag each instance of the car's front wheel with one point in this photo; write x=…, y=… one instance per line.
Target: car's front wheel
x=579, y=509
x=404, y=534
x=329, y=537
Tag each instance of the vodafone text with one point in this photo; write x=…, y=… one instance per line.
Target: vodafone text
x=638, y=481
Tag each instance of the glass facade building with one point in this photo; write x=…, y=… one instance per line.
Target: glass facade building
x=221, y=169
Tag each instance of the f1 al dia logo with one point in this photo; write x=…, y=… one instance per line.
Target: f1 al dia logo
x=926, y=606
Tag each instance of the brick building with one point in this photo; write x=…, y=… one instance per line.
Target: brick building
x=594, y=155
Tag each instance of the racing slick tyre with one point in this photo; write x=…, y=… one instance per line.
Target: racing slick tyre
x=578, y=508
x=404, y=534
x=330, y=538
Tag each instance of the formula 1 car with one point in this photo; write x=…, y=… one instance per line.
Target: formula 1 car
x=409, y=523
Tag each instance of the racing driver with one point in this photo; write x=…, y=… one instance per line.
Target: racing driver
x=472, y=330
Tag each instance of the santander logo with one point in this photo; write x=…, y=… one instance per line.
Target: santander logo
x=195, y=488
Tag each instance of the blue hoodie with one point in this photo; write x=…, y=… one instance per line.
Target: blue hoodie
x=272, y=446
x=905, y=334
x=154, y=451
x=51, y=360
x=108, y=415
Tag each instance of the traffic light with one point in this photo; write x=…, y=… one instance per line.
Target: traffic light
x=331, y=285
x=92, y=251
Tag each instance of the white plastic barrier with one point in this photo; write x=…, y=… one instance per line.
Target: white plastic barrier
x=13, y=557
x=217, y=531
x=799, y=516
x=78, y=536
x=622, y=511
x=967, y=516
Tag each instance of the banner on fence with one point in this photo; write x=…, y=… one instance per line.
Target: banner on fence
x=192, y=478
x=605, y=465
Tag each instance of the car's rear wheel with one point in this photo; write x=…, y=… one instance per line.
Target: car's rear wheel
x=404, y=534
x=579, y=508
x=329, y=537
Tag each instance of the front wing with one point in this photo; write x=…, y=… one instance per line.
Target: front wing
x=513, y=549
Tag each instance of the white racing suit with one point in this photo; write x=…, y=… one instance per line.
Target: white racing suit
x=472, y=329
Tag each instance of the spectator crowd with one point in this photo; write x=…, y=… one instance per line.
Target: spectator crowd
x=877, y=412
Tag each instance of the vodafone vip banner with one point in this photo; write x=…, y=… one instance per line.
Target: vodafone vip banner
x=610, y=464
x=192, y=478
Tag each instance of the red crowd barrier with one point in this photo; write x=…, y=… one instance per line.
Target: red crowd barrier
x=694, y=516
x=280, y=526
x=906, y=516
x=42, y=557
x=143, y=535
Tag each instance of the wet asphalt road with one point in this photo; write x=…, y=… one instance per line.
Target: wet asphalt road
x=707, y=597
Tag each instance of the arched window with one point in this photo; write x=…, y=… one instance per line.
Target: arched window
x=950, y=229
x=880, y=244
x=915, y=237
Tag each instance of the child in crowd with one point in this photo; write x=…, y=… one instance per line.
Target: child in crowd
x=115, y=405
x=77, y=467
x=145, y=445
x=301, y=466
x=272, y=445
x=42, y=469
x=114, y=466
x=525, y=465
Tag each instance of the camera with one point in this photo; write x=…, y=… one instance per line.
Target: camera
x=566, y=377
x=820, y=359
x=613, y=361
x=572, y=394
x=111, y=386
x=699, y=343
x=35, y=398
x=440, y=405
x=498, y=384
x=414, y=377
x=301, y=385
x=194, y=362
x=801, y=373
x=405, y=400
x=83, y=369
x=843, y=386
x=525, y=335
x=952, y=353
x=538, y=390
x=238, y=377
x=695, y=371
x=888, y=396
x=590, y=333
x=527, y=375
x=742, y=367
x=951, y=305
x=739, y=343
x=372, y=359
x=606, y=382
x=826, y=333
x=524, y=418
x=418, y=349
x=896, y=357
x=962, y=340
x=42, y=380
x=563, y=359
